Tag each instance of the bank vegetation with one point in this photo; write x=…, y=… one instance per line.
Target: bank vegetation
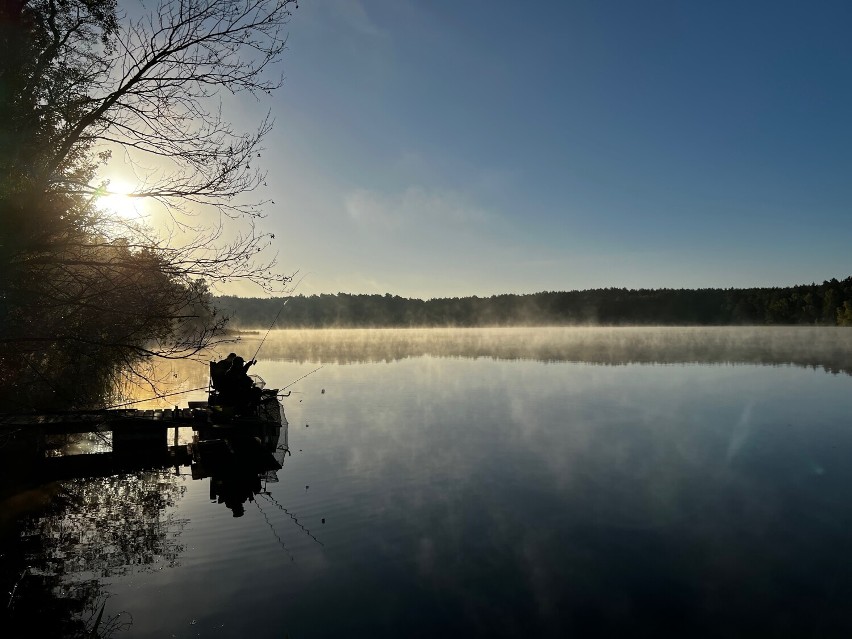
x=826, y=304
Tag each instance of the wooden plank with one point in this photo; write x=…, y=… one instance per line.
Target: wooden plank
x=98, y=421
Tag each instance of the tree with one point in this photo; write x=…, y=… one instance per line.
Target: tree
x=81, y=84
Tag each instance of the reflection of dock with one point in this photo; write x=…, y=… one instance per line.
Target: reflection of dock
x=107, y=463
x=132, y=431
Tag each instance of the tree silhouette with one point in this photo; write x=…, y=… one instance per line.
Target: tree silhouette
x=82, y=84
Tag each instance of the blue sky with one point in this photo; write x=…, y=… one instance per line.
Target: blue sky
x=436, y=148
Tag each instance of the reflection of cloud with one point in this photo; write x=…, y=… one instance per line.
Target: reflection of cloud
x=550, y=490
x=426, y=555
x=416, y=203
x=740, y=434
x=538, y=570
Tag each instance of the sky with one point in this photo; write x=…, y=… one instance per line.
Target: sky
x=450, y=148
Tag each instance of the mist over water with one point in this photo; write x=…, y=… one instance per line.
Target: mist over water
x=806, y=346
x=525, y=482
x=828, y=348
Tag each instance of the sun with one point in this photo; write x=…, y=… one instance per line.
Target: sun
x=119, y=201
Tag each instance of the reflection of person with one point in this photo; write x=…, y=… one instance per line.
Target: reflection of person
x=234, y=490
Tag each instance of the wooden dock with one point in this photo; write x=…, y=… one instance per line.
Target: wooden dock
x=133, y=432
x=73, y=422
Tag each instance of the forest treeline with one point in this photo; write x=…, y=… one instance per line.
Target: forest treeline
x=829, y=304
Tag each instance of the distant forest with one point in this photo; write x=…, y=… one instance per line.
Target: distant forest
x=828, y=304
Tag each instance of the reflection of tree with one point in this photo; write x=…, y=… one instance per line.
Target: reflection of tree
x=93, y=528
x=830, y=348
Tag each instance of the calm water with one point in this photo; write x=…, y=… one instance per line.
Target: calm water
x=550, y=482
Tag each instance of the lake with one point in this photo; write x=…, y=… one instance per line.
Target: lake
x=480, y=482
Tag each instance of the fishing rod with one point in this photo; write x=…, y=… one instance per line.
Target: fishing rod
x=254, y=357
x=302, y=377
x=148, y=399
x=277, y=315
x=192, y=390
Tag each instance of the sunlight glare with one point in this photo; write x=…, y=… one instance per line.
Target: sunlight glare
x=118, y=200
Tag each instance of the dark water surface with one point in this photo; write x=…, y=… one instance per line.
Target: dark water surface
x=487, y=483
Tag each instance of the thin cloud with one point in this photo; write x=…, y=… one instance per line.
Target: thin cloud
x=413, y=206
x=356, y=16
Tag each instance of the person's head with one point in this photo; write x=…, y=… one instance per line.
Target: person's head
x=236, y=506
x=231, y=356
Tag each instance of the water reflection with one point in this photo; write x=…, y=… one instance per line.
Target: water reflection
x=90, y=531
x=238, y=467
x=453, y=494
x=276, y=504
x=828, y=347
x=519, y=498
x=72, y=524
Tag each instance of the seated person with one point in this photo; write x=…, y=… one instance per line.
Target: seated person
x=236, y=387
x=218, y=371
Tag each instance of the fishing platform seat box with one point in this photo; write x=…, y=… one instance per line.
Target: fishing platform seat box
x=217, y=376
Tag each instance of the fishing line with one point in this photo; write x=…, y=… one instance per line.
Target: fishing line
x=56, y=390
x=148, y=399
x=295, y=519
x=207, y=388
x=302, y=377
x=289, y=297
x=192, y=390
x=274, y=532
x=15, y=587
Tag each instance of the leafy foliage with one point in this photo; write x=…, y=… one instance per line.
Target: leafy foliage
x=828, y=303
x=85, y=293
